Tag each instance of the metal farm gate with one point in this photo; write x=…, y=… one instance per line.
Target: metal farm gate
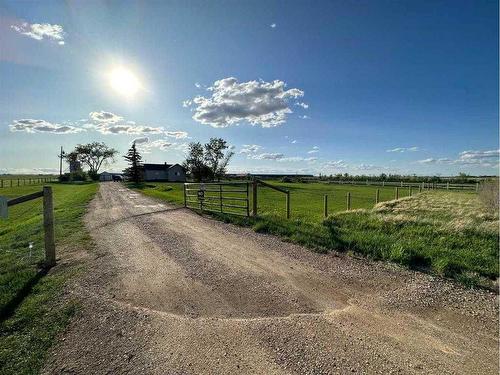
x=225, y=197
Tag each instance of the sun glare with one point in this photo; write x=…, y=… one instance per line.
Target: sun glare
x=124, y=82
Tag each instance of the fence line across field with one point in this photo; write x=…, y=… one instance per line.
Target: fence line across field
x=422, y=185
x=12, y=182
x=218, y=196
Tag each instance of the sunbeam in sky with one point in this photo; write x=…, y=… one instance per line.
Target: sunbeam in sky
x=124, y=82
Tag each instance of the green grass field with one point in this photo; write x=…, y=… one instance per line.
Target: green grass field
x=31, y=314
x=444, y=233
x=306, y=199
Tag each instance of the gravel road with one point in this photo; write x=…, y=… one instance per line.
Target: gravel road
x=168, y=291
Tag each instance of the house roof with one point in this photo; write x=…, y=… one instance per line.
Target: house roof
x=157, y=167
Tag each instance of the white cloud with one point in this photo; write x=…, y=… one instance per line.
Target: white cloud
x=110, y=123
x=335, y=164
x=302, y=104
x=176, y=134
x=273, y=25
x=250, y=149
x=309, y=160
x=40, y=31
x=187, y=103
x=267, y=156
x=314, y=150
x=479, y=157
x=294, y=141
x=105, y=117
x=436, y=161
x=256, y=102
x=162, y=144
x=36, y=170
x=42, y=126
x=126, y=129
x=197, y=85
x=304, y=117
x=404, y=149
x=140, y=140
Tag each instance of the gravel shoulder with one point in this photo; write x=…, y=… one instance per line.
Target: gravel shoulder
x=170, y=292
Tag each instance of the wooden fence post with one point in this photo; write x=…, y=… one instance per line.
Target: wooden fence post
x=409, y=191
x=220, y=198
x=348, y=201
x=185, y=197
x=254, y=198
x=477, y=187
x=447, y=186
x=48, y=226
x=419, y=188
x=397, y=193
x=325, y=206
x=377, y=196
x=288, y=205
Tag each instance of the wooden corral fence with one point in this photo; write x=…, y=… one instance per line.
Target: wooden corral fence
x=228, y=197
x=11, y=182
x=48, y=219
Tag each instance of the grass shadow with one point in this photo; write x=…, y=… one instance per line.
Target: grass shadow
x=10, y=307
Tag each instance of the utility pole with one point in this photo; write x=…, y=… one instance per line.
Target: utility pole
x=61, y=155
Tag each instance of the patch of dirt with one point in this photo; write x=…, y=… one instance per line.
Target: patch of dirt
x=172, y=292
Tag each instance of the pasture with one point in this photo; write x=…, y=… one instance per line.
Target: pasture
x=447, y=233
x=306, y=199
x=30, y=316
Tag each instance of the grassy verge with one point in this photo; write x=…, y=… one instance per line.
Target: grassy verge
x=449, y=234
x=32, y=313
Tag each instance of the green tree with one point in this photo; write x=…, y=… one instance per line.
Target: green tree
x=93, y=155
x=135, y=170
x=217, y=156
x=209, y=161
x=195, y=163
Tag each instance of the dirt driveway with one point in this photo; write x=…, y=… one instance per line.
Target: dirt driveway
x=171, y=292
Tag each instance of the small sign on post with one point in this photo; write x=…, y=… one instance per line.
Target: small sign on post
x=4, y=210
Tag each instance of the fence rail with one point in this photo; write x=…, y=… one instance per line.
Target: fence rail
x=423, y=185
x=11, y=182
x=48, y=220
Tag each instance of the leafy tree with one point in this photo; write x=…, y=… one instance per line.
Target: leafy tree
x=209, y=161
x=195, y=163
x=135, y=170
x=93, y=155
x=216, y=156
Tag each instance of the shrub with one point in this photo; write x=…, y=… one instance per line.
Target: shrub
x=78, y=176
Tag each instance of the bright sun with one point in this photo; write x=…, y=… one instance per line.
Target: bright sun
x=124, y=82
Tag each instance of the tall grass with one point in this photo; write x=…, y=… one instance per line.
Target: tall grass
x=489, y=195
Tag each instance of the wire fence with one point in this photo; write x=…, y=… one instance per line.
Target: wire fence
x=423, y=185
x=12, y=182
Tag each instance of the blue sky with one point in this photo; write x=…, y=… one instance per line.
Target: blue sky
x=362, y=87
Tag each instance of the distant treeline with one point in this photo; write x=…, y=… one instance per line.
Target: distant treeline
x=460, y=179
